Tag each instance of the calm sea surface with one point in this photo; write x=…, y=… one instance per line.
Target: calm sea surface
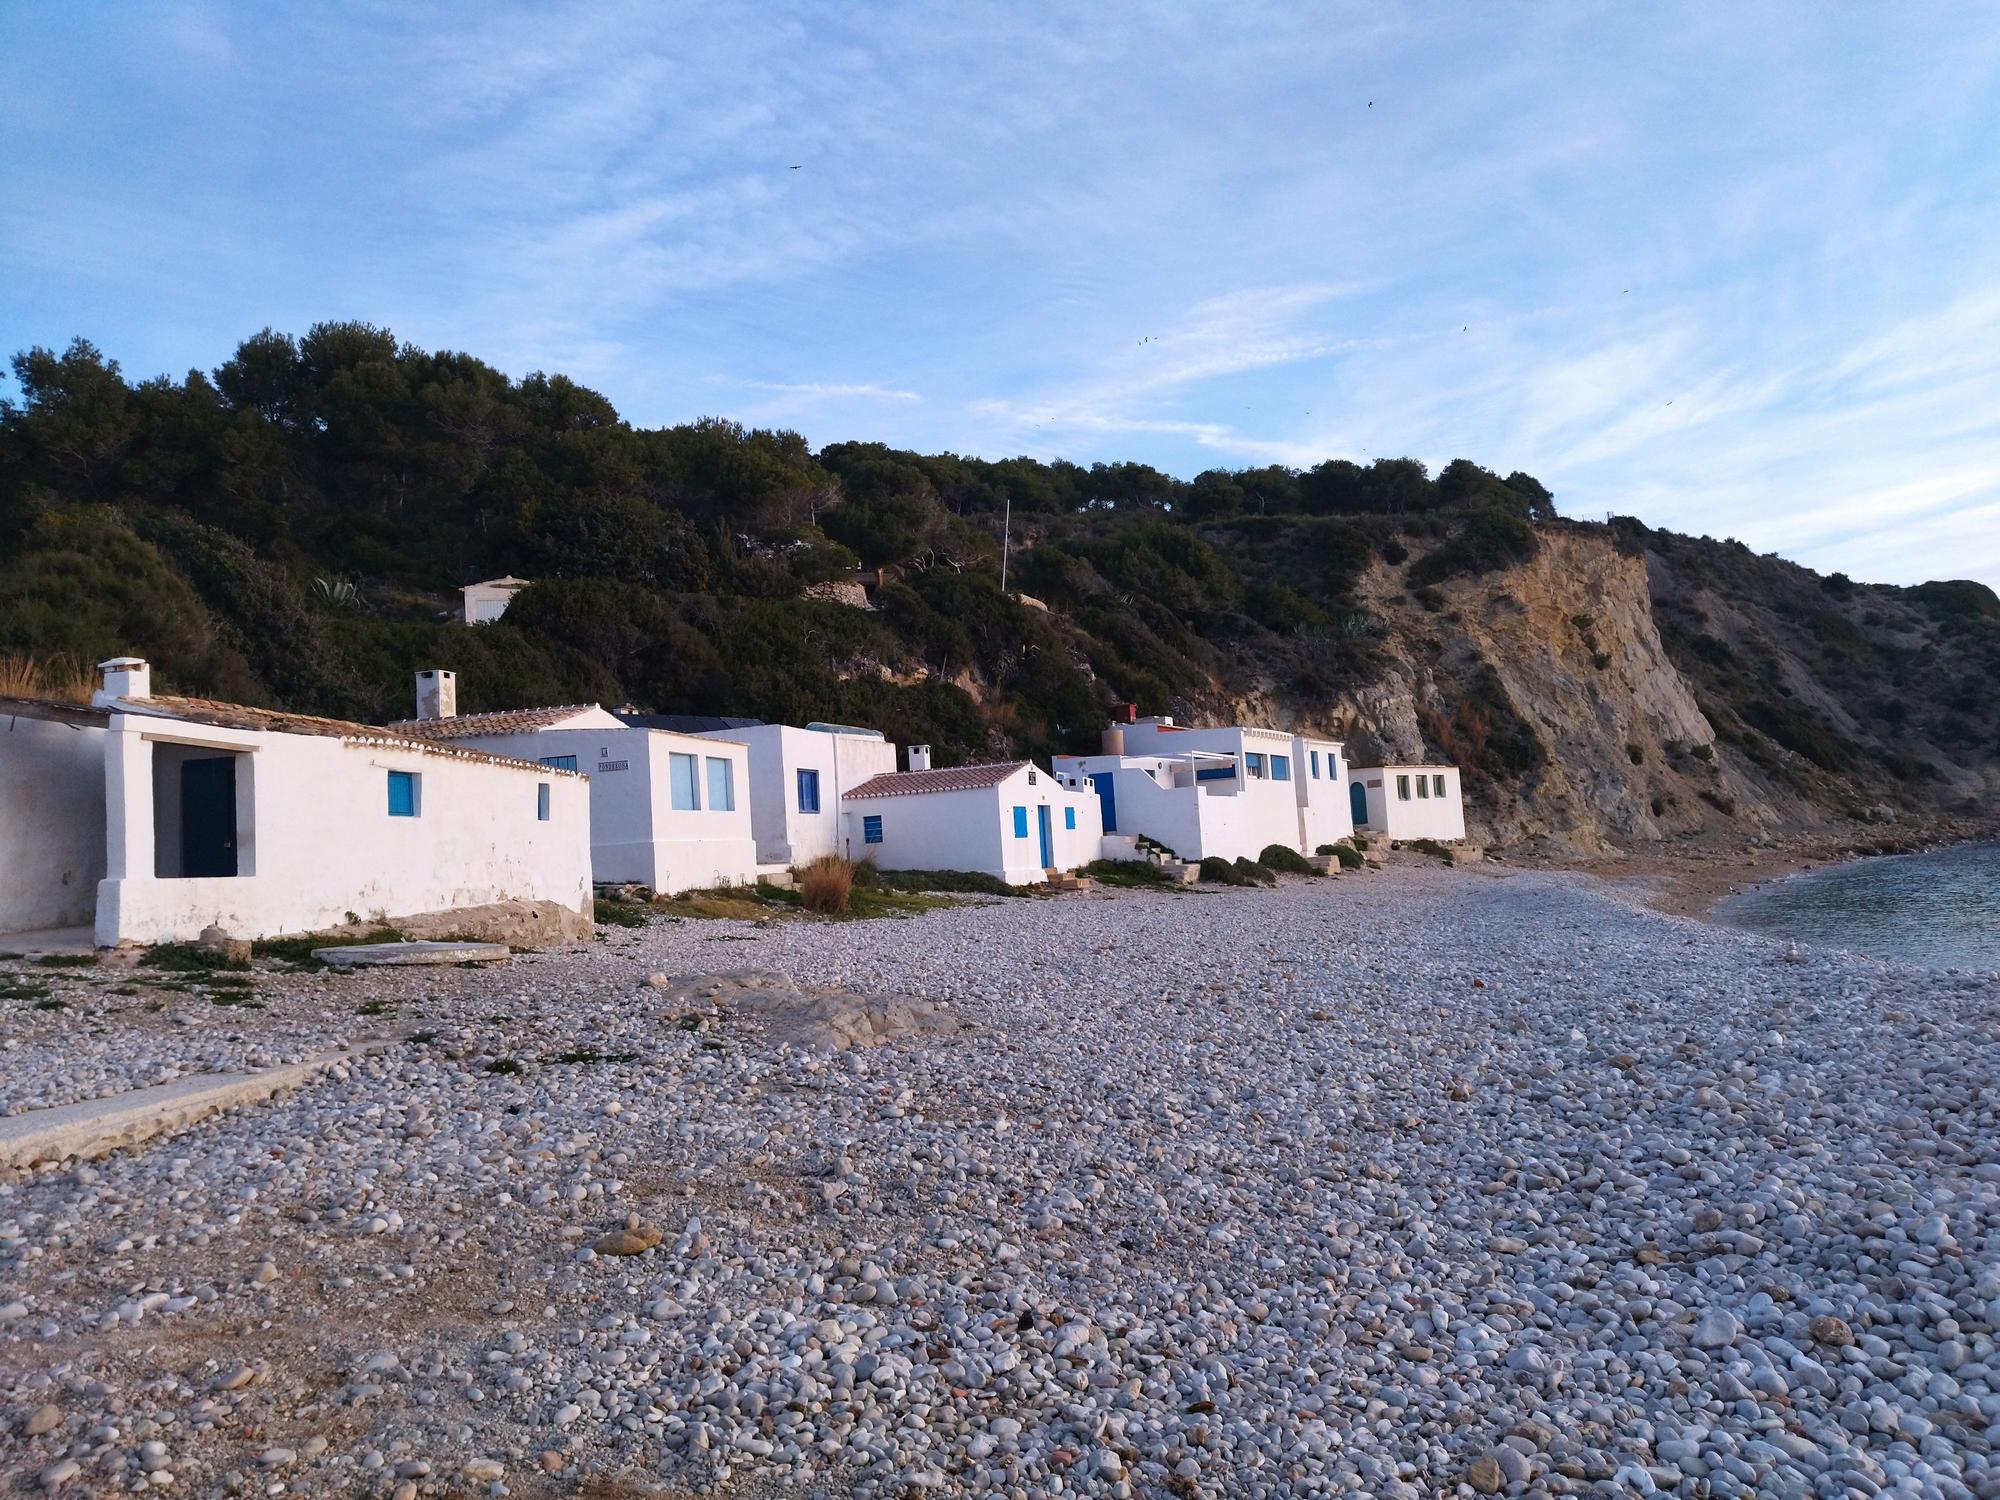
x=1941, y=908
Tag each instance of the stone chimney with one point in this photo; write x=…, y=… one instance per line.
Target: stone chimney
x=437, y=694
x=920, y=757
x=124, y=677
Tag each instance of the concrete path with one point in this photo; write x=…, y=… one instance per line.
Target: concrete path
x=96, y=1127
x=49, y=940
x=369, y=955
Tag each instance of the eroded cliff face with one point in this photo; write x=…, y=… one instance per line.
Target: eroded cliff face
x=1549, y=683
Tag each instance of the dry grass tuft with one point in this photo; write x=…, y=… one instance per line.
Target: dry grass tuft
x=57, y=679
x=827, y=885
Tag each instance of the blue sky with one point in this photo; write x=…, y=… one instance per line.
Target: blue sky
x=1732, y=268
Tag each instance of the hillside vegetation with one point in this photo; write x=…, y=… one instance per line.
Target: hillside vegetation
x=291, y=529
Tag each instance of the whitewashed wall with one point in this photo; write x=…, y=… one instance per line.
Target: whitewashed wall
x=1432, y=817
x=1326, y=813
x=785, y=835
x=316, y=841
x=974, y=830
x=636, y=833
x=51, y=822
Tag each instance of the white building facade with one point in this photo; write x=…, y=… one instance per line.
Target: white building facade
x=1409, y=802
x=267, y=824
x=667, y=811
x=797, y=778
x=1227, y=793
x=1013, y=821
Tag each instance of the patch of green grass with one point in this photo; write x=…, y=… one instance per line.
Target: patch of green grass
x=22, y=989
x=240, y=999
x=868, y=902
x=613, y=911
x=51, y=1005
x=506, y=1067
x=970, y=882
x=376, y=1008
x=298, y=951
x=66, y=961
x=1130, y=874
x=421, y=1038
x=190, y=958
x=592, y=1055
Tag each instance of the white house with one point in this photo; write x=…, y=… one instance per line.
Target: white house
x=797, y=779
x=668, y=811
x=1010, y=820
x=1227, y=792
x=264, y=823
x=488, y=601
x=1409, y=802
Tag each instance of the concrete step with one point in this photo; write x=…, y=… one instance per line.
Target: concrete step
x=95, y=1127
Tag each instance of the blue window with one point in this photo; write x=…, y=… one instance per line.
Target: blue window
x=808, y=791
x=542, y=801
x=560, y=762
x=686, y=790
x=1254, y=764
x=402, y=794
x=1020, y=822
x=721, y=786
x=1069, y=817
x=871, y=829
x=1281, y=768
x=1315, y=765
x=1216, y=773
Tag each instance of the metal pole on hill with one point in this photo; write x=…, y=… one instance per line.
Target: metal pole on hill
x=1006, y=536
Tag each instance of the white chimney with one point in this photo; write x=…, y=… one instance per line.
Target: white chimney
x=920, y=757
x=437, y=694
x=124, y=677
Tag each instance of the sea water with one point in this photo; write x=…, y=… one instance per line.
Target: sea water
x=1941, y=908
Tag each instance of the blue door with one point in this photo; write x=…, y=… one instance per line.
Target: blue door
x=1107, y=794
x=1357, y=798
x=1048, y=837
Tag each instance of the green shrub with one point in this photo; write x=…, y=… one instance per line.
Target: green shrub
x=1220, y=871
x=1285, y=859
x=1252, y=873
x=1431, y=847
x=1488, y=539
x=1350, y=859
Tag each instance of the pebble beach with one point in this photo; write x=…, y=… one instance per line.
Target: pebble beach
x=1419, y=1182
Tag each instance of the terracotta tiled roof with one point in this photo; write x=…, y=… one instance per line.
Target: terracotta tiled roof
x=271, y=720
x=955, y=779
x=501, y=721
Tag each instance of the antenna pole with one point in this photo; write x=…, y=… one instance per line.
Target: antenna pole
x=1006, y=539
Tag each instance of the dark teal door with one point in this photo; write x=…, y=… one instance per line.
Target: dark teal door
x=1357, y=798
x=1048, y=837
x=1107, y=794
x=208, y=817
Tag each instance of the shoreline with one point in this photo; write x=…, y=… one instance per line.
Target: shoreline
x=1693, y=883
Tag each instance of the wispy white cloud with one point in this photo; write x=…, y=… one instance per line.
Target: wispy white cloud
x=1729, y=270
x=813, y=390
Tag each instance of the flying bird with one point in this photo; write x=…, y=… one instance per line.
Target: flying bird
x=797, y=165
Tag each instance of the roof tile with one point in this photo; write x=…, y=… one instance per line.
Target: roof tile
x=951, y=779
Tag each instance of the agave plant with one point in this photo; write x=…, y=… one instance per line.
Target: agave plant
x=340, y=593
